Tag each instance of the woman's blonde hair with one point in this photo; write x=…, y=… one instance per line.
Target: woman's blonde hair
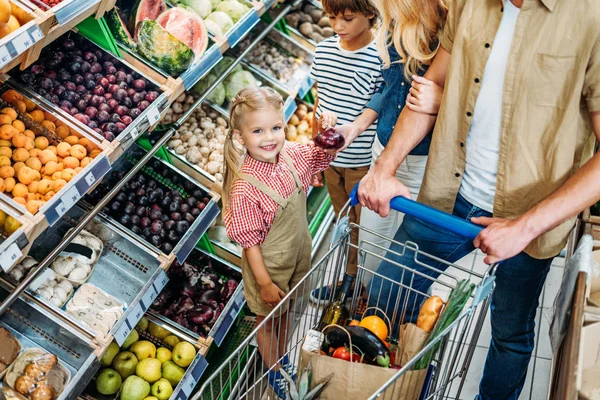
x=414, y=28
x=247, y=100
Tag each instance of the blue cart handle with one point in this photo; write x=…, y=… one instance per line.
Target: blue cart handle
x=428, y=214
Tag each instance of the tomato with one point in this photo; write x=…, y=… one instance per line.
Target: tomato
x=386, y=344
x=375, y=325
x=344, y=354
x=354, y=323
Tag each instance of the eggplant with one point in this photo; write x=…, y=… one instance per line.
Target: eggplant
x=329, y=139
x=362, y=338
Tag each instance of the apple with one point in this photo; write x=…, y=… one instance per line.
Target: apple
x=157, y=331
x=143, y=349
x=108, y=382
x=134, y=388
x=143, y=324
x=171, y=340
x=109, y=355
x=150, y=398
x=163, y=354
x=162, y=389
x=172, y=372
x=125, y=363
x=149, y=370
x=183, y=354
x=133, y=337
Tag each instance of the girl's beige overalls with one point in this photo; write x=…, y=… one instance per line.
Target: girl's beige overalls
x=287, y=247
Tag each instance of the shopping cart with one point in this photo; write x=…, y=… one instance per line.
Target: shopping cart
x=243, y=375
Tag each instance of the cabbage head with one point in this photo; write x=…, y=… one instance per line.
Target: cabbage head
x=202, y=7
x=222, y=19
x=238, y=81
x=233, y=8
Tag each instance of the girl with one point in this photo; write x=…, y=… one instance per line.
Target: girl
x=265, y=211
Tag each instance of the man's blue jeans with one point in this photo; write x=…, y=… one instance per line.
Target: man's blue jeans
x=519, y=282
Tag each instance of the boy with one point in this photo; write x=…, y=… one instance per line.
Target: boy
x=346, y=69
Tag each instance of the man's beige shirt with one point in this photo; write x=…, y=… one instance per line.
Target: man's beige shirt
x=552, y=84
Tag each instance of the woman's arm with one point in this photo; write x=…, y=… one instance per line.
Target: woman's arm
x=271, y=294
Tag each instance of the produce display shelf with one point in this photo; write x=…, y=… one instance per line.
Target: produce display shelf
x=300, y=82
x=188, y=382
x=34, y=328
x=15, y=46
x=197, y=228
x=144, y=122
x=16, y=245
x=125, y=270
x=78, y=186
x=228, y=315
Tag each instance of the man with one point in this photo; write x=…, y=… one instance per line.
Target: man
x=521, y=98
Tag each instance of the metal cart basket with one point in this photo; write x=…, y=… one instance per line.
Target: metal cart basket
x=244, y=375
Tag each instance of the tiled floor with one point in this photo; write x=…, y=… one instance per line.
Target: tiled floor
x=538, y=377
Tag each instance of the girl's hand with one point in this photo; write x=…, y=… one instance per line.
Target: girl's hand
x=328, y=120
x=317, y=180
x=425, y=96
x=271, y=294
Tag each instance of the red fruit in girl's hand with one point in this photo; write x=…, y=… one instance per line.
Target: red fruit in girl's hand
x=329, y=139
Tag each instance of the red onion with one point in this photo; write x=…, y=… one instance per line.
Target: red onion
x=329, y=139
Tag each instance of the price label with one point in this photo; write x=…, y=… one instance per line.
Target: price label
x=135, y=315
x=9, y=257
x=289, y=108
x=229, y=319
x=122, y=333
x=153, y=115
x=149, y=297
x=36, y=33
x=90, y=178
x=192, y=377
x=71, y=197
x=160, y=282
x=4, y=56
x=22, y=42
x=134, y=132
x=44, y=276
x=305, y=85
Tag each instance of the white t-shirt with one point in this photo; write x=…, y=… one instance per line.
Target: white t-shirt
x=483, y=142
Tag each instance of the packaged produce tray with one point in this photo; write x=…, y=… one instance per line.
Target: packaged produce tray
x=169, y=189
x=125, y=272
x=15, y=235
x=107, y=104
x=182, y=385
x=202, y=299
x=43, y=178
x=281, y=60
x=37, y=330
x=23, y=31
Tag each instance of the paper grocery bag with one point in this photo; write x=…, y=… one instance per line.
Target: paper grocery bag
x=411, y=342
x=360, y=381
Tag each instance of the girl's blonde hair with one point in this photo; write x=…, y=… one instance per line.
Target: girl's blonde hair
x=414, y=28
x=247, y=100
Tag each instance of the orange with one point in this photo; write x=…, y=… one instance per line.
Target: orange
x=4, y=11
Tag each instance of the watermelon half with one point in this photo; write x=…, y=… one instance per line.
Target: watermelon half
x=162, y=49
x=146, y=9
x=186, y=26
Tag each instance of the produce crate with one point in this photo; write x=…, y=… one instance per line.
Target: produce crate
x=125, y=270
x=64, y=198
x=34, y=328
x=59, y=19
x=156, y=170
x=147, y=118
x=294, y=83
x=293, y=30
x=15, y=46
x=181, y=282
x=184, y=388
x=16, y=245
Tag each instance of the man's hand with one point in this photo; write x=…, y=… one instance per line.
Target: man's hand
x=424, y=96
x=376, y=190
x=502, y=238
x=328, y=120
x=271, y=294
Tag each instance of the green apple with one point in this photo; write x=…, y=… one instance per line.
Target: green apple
x=143, y=324
x=150, y=398
x=172, y=372
x=143, y=349
x=134, y=388
x=162, y=389
x=157, y=331
x=108, y=382
x=183, y=354
x=109, y=354
x=149, y=370
x=133, y=337
x=163, y=354
x=124, y=363
x=171, y=340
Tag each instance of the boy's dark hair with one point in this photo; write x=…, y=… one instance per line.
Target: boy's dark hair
x=365, y=7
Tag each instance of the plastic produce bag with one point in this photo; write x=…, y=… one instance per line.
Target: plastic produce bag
x=94, y=307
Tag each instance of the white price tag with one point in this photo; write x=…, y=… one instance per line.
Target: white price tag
x=35, y=285
x=153, y=115
x=71, y=197
x=135, y=315
x=36, y=33
x=189, y=382
x=134, y=132
x=22, y=42
x=122, y=333
x=9, y=257
x=61, y=208
x=149, y=297
x=90, y=178
x=4, y=56
x=161, y=281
